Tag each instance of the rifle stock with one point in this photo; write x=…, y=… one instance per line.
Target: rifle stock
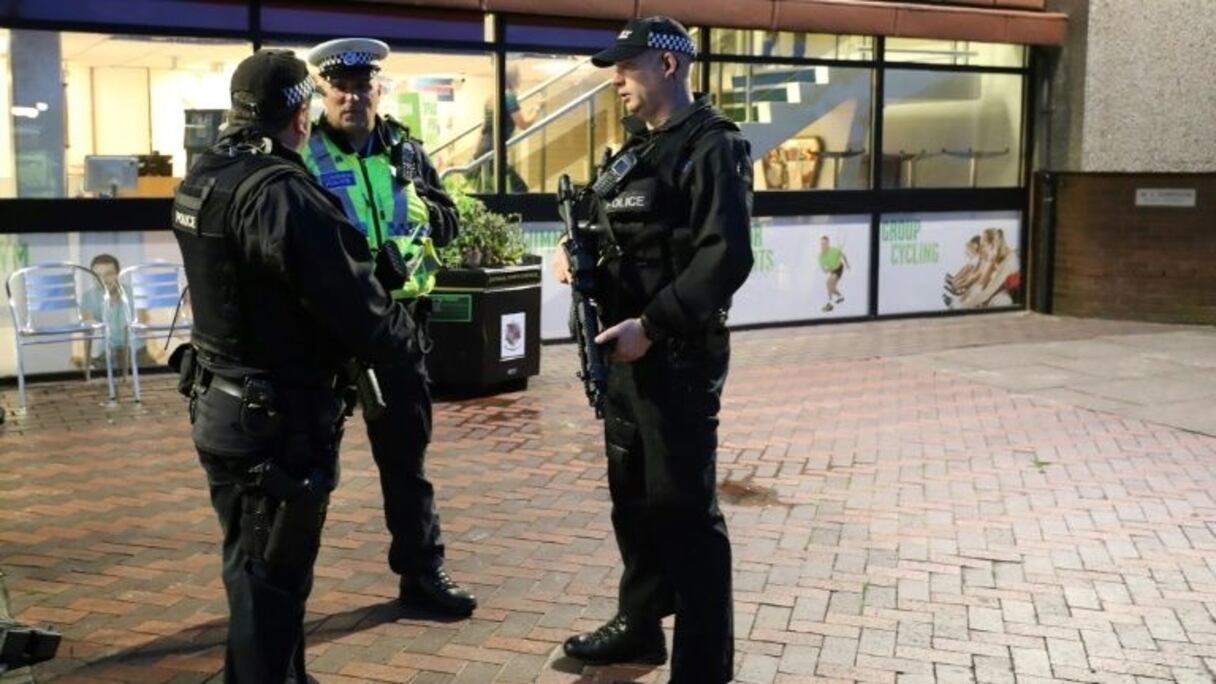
x=581, y=251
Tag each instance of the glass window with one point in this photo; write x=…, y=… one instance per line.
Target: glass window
x=791, y=44
x=954, y=52
x=442, y=98
x=561, y=114
x=379, y=20
x=105, y=253
x=943, y=129
x=809, y=126
x=195, y=14
x=96, y=114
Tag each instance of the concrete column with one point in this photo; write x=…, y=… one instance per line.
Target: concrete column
x=38, y=116
x=1131, y=90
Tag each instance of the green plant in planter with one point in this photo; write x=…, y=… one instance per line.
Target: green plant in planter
x=486, y=238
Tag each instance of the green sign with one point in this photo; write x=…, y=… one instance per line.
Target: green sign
x=451, y=308
x=409, y=112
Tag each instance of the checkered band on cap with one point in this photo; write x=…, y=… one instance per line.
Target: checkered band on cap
x=671, y=42
x=349, y=58
x=298, y=92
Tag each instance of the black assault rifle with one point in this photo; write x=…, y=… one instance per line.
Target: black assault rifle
x=581, y=251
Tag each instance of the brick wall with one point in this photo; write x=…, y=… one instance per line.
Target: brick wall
x=1116, y=260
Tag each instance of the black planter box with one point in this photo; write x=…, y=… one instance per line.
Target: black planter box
x=486, y=326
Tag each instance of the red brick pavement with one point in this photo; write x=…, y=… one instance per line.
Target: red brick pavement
x=890, y=525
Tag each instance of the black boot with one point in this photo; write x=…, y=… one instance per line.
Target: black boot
x=435, y=590
x=620, y=641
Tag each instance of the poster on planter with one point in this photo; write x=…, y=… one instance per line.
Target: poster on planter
x=949, y=261
x=513, y=340
x=806, y=267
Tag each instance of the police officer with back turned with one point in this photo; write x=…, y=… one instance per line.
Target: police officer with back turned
x=283, y=294
x=673, y=214
x=391, y=193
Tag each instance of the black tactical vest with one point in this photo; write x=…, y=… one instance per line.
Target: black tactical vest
x=645, y=237
x=212, y=254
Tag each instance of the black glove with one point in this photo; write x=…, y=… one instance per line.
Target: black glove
x=391, y=270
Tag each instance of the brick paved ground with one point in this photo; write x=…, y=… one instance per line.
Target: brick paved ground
x=892, y=523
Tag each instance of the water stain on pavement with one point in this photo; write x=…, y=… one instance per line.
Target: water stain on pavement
x=744, y=492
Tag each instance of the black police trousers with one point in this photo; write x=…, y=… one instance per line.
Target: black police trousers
x=399, y=438
x=660, y=424
x=266, y=590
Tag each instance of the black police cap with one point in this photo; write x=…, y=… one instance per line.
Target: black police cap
x=269, y=85
x=647, y=33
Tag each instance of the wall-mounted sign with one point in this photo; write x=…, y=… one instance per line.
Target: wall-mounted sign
x=443, y=87
x=806, y=267
x=949, y=261
x=1183, y=198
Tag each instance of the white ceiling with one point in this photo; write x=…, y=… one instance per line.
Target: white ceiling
x=100, y=50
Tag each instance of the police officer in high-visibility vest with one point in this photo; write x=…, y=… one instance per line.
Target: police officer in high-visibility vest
x=390, y=191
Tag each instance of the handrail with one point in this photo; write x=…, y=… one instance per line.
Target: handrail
x=535, y=89
x=534, y=128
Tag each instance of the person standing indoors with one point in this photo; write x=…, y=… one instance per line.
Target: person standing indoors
x=674, y=248
x=513, y=121
x=391, y=192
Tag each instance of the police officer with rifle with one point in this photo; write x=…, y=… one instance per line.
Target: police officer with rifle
x=672, y=215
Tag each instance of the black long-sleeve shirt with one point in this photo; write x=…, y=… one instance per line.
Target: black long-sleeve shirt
x=719, y=216
x=295, y=231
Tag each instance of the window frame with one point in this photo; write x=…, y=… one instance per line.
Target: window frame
x=27, y=215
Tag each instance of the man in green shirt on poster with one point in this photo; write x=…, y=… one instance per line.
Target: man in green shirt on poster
x=833, y=262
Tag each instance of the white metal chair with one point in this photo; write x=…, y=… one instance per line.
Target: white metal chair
x=153, y=286
x=45, y=301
